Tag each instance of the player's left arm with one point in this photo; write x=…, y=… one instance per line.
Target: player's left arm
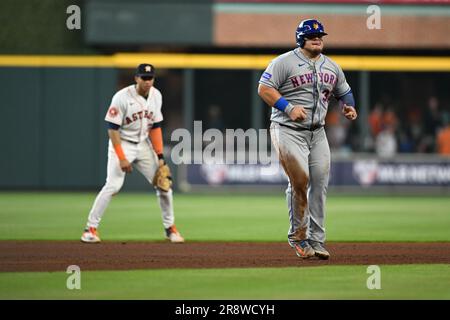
x=348, y=108
x=343, y=93
x=155, y=131
x=156, y=138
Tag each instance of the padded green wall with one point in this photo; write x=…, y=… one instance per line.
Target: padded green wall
x=53, y=133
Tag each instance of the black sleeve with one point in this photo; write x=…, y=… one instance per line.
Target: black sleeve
x=157, y=125
x=112, y=126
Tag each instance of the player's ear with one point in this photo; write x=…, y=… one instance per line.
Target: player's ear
x=136, y=79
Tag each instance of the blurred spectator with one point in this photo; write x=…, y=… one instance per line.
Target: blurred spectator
x=386, y=143
x=431, y=121
x=432, y=118
x=383, y=124
x=376, y=119
x=443, y=137
x=416, y=131
x=413, y=126
x=405, y=141
x=389, y=119
x=335, y=128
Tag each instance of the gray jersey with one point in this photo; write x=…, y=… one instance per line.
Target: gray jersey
x=306, y=83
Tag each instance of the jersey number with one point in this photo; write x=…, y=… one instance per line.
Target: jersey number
x=326, y=95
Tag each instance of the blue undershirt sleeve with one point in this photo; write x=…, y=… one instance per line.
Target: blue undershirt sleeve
x=348, y=99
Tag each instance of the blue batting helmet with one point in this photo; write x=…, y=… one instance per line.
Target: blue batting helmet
x=307, y=27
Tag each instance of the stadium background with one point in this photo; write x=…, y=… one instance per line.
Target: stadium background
x=56, y=85
x=400, y=75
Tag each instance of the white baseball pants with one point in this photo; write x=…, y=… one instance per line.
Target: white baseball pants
x=144, y=159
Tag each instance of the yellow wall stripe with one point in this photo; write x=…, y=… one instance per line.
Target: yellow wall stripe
x=56, y=61
x=221, y=61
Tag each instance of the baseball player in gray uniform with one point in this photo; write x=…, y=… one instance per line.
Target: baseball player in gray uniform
x=135, y=140
x=298, y=85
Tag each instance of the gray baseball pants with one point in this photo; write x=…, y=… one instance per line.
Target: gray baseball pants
x=305, y=157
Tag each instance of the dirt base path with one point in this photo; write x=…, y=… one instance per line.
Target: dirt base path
x=58, y=255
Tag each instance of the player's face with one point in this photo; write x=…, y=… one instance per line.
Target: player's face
x=314, y=43
x=144, y=83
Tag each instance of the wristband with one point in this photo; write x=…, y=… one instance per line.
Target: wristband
x=161, y=157
x=281, y=104
x=119, y=152
x=289, y=108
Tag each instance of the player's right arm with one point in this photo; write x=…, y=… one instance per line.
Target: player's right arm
x=114, y=119
x=271, y=80
x=114, y=136
x=273, y=98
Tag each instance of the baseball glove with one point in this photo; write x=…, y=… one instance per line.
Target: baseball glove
x=163, y=178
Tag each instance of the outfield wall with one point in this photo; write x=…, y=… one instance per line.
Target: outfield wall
x=360, y=173
x=53, y=135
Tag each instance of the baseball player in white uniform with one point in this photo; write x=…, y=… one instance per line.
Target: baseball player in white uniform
x=135, y=141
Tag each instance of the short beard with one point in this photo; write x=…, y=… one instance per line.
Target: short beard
x=314, y=52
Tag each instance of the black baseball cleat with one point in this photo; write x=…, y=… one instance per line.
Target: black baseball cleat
x=319, y=250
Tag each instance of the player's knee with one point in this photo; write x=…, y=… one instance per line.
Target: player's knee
x=299, y=199
x=300, y=185
x=113, y=188
x=298, y=177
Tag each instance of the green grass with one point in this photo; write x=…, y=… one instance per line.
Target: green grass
x=61, y=216
x=130, y=216
x=331, y=282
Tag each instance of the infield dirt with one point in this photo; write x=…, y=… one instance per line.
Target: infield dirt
x=58, y=255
